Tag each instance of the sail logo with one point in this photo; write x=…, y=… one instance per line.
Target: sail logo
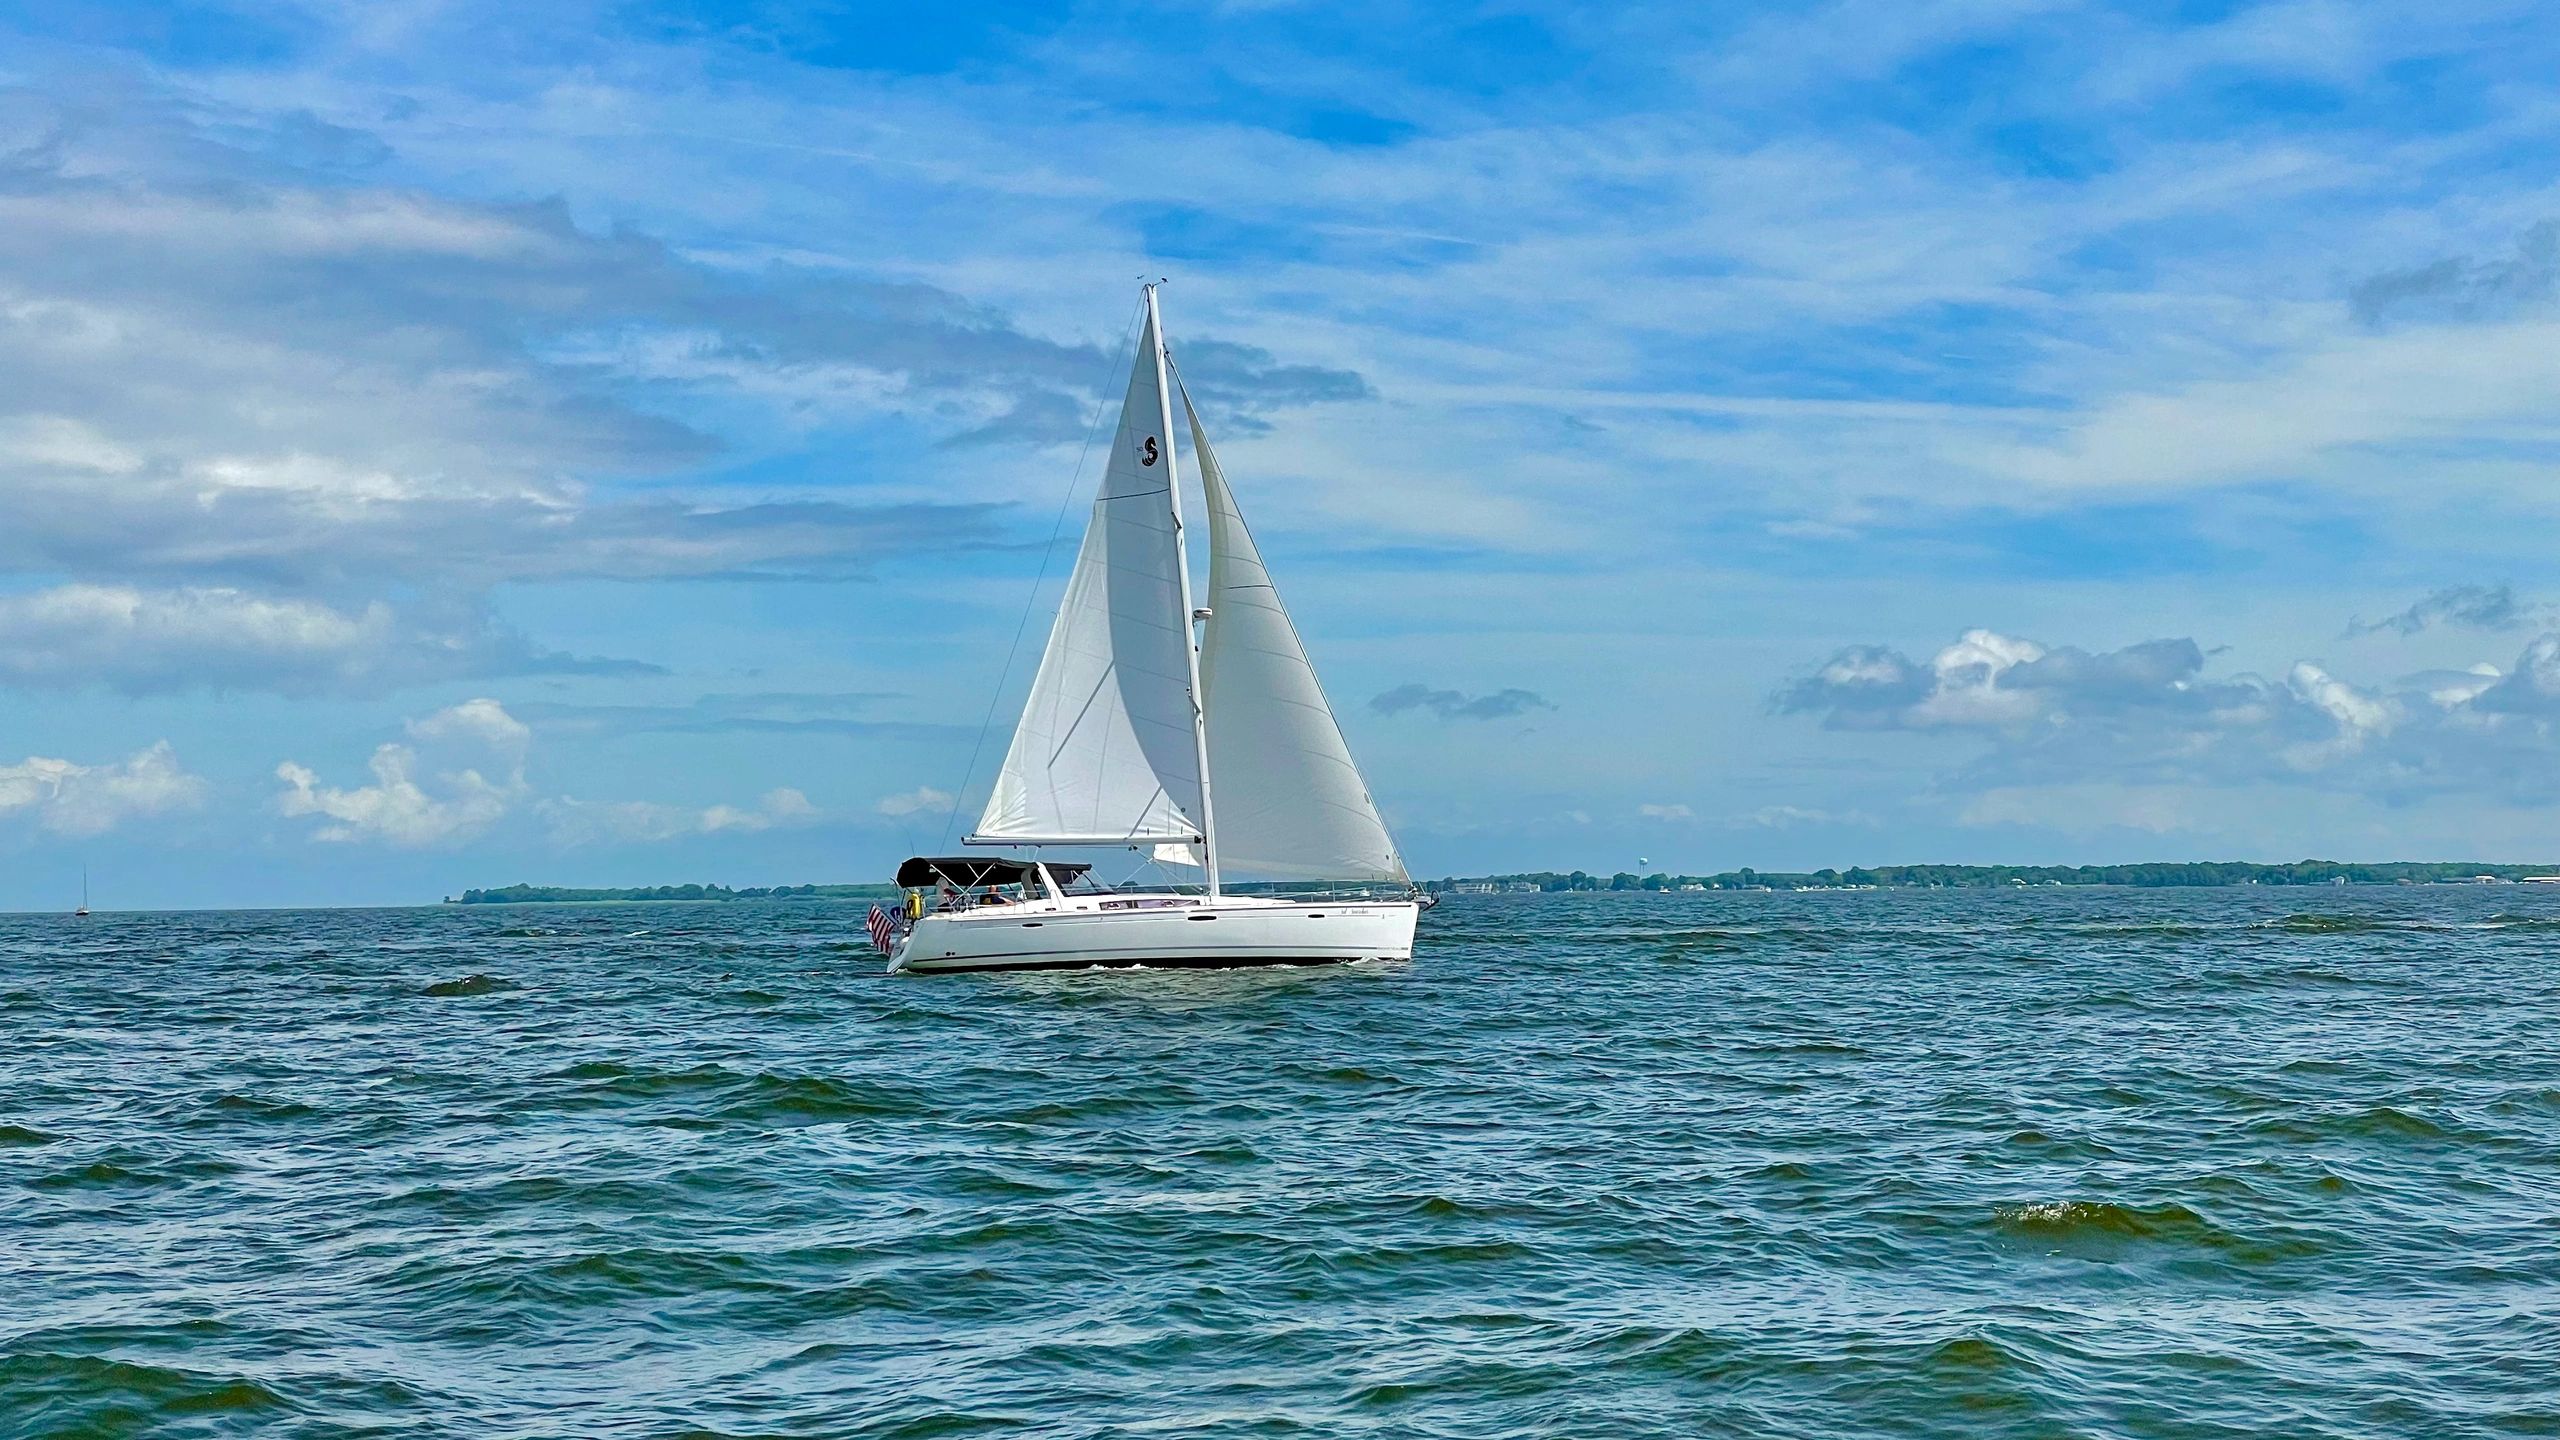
x=1147, y=452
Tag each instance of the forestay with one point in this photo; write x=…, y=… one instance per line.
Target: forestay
x=1105, y=751
x=1290, y=801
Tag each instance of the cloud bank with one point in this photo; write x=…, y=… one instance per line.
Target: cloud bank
x=405, y=809
x=82, y=800
x=467, y=769
x=140, y=642
x=574, y=822
x=2149, y=713
x=1457, y=705
x=2467, y=607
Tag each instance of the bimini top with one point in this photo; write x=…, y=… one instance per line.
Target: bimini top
x=967, y=871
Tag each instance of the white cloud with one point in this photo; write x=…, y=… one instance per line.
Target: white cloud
x=2148, y=717
x=60, y=442
x=923, y=800
x=408, y=806
x=74, y=799
x=2318, y=40
x=1990, y=681
x=1458, y=705
x=139, y=639
x=2357, y=391
x=2469, y=607
x=145, y=641
x=1652, y=811
x=1737, y=216
x=395, y=809
x=1793, y=817
x=1966, y=687
x=2355, y=715
x=2448, y=688
x=482, y=720
x=577, y=822
x=225, y=369
x=399, y=808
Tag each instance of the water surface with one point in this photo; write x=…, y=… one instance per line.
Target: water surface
x=2062, y=1162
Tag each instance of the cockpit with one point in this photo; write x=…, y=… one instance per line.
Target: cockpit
x=962, y=883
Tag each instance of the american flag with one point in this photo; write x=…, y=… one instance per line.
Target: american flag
x=884, y=930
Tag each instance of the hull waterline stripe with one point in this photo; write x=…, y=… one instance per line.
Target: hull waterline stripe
x=1073, y=961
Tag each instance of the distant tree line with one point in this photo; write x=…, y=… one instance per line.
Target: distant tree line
x=2158, y=874
x=529, y=894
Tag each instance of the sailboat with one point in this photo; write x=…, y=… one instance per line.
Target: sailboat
x=1131, y=715
x=84, y=894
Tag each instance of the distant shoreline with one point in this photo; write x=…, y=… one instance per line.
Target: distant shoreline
x=664, y=894
x=2166, y=875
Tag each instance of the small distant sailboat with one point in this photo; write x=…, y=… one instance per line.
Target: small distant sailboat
x=83, y=911
x=1128, y=717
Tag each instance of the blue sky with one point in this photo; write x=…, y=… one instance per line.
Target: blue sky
x=452, y=443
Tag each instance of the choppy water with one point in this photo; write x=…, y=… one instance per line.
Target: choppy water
x=2219, y=1163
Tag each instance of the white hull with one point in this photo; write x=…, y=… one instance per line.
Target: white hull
x=1158, y=930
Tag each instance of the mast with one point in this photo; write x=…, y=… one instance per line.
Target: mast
x=1188, y=616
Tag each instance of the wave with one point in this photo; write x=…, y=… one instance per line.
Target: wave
x=1780, y=1170
x=1976, y=1353
x=1424, y=1258
x=1685, y=1350
x=2518, y=922
x=1699, y=947
x=1807, y=1047
x=252, y=1107
x=2373, y=1122
x=581, y=1280
x=2161, y=930
x=2072, y=1219
x=1351, y=1075
x=91, y=1394
x=132, y=1169
x=99, y=1175
x=1718, y=939
x=743, y=1097
x=2055, y=1146
x=2309, y=923
x=471, y=985
x=812, y=1099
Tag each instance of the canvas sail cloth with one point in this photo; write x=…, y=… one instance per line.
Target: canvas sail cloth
x=1105, y=753
x=1290, y=801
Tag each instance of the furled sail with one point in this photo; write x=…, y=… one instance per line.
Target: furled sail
x=1290, y=801
x=1105, y=752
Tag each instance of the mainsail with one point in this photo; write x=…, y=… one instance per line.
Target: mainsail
x=1290, y=801
x=1105, y=753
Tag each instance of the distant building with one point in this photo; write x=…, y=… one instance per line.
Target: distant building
x=1474, y=887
